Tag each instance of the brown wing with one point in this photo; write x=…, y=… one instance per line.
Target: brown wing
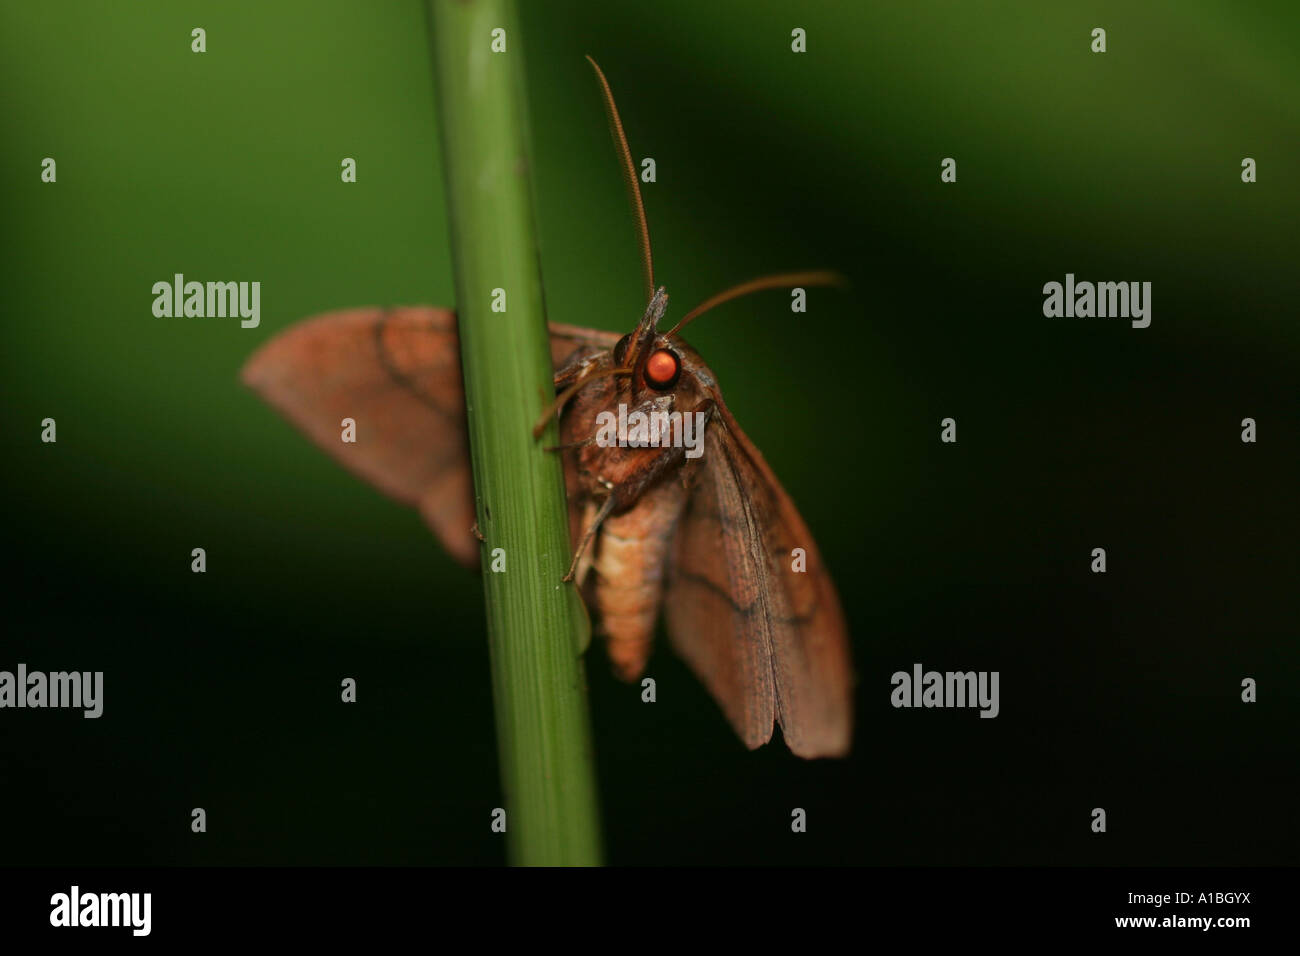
x=768, y=642
x=567, y=339
x=397, y=373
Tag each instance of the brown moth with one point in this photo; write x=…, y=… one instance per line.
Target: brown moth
x=710, y=536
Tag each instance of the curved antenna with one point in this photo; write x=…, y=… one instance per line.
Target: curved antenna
x=781, y=281
x=629, y=180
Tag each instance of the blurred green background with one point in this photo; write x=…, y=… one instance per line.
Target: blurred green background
x=1119, y=691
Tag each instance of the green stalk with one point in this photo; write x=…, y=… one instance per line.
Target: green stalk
x=536, y=625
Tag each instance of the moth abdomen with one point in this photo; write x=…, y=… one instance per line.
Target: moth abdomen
x=629, y=564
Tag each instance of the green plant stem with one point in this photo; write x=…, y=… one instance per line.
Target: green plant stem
x=536, y=625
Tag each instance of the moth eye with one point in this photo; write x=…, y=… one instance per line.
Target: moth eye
x=662, y=370
x=620, y=350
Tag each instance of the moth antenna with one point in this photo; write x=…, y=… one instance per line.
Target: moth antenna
x=583, y=380
x=781, y=281
x=629, y=180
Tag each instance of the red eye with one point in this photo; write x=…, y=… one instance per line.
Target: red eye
x=662, y=369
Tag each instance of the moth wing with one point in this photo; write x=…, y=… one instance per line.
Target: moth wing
x=768, y=642
x=565, y=339
x=397, y=374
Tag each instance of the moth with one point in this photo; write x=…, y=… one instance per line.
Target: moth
x=709, y=537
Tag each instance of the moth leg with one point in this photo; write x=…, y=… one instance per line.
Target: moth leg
x=577, y=364
x=588, y=557
x=573, y=444
x=587, y=535
x=567, y=381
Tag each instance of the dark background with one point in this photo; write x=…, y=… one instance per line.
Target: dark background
x=222, y=690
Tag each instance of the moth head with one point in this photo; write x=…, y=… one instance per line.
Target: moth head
x=633, y=348
x=645, y=354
